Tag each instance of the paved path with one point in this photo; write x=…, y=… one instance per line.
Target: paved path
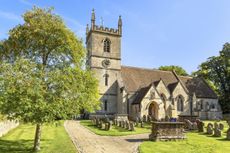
x=88, y=142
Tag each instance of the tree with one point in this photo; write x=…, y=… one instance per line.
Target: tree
x=179, y=70
x=216, y=71
x=42, y=75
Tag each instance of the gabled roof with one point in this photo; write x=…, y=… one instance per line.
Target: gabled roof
x=199, y=87
x=134, y=78
x=141, y=94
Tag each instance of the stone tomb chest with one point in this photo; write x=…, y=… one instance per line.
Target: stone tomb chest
x=165, y=131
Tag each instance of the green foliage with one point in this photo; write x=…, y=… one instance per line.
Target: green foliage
x=41, y=75
x=179, y=70
x=30, y=95
x=216, y=71
x=20, y=140
x=115, y=130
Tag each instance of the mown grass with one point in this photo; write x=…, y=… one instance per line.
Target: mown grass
x=195, y=143
x=54, y=139
x=115, y=130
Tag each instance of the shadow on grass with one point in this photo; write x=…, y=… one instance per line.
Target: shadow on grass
x=19, y=146
x=137, y=140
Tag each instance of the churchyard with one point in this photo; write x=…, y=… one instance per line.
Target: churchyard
x=200, y=136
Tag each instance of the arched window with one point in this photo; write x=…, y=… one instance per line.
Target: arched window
x=107, y=43
x=180, y=103
x=106, y=79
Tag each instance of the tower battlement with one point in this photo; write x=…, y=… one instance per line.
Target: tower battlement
x=101, y=28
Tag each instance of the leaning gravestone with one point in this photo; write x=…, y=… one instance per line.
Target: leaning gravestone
x=200, y=125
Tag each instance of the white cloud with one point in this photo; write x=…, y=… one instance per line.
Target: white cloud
x=10, y=16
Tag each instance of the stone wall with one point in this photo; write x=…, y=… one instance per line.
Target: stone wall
x=6, y=126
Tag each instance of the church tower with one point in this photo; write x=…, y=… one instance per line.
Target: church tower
x=104, y=59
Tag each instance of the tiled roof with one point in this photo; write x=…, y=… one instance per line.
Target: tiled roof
x=140, y=79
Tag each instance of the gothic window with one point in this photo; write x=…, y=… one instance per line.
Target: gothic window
x=105, y=105
x=180, y=103
x=107, y=45
x=106, y=79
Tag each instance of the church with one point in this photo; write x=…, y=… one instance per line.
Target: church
x=137, y=92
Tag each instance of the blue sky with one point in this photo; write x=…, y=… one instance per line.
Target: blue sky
x=155, y=32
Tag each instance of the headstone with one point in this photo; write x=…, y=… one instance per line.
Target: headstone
x=217, y=131
x=210, y=129
x=221, y=126
x=122, y=124
x=136, y=123
x=107, y=126
x=200, y=125
x=131, y=126
x=119, y=123
x=97, y=122
x=167, y=118
x=142, y=124
x=127, y=125
x=144, y=118
x=149, y=118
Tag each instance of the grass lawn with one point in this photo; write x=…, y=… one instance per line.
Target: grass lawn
x=20, y=140
x=195, y=143
x=115, y=130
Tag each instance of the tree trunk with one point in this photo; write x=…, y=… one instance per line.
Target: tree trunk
x=37, y=137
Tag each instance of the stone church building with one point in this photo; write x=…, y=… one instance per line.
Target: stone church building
x=139, y=91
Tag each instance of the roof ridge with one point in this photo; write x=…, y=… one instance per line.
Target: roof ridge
x=148, y=69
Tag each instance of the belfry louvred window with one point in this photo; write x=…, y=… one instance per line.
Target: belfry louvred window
x=107, y=45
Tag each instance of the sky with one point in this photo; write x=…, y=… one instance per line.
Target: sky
x=155, y=32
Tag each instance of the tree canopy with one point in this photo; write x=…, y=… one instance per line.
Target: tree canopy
x=179, y=70
x=216, y=71
x=42, y=74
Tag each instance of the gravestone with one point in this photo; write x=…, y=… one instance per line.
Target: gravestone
x=144, y=118
x=221, y=126
x=188, y=124
x=107, y=126
x=127, y=125
x=119, y=123
x=149, y=118
x=142, y=124
x=167, y=118
x=200, y=125
x=217, y=131
x=210, y=129
x=131, y=126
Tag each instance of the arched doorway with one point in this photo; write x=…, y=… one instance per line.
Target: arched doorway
x=153, y=110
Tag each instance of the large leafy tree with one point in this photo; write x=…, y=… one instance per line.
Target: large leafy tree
x=216, y=71
x=42, y=75
x=179, y=70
